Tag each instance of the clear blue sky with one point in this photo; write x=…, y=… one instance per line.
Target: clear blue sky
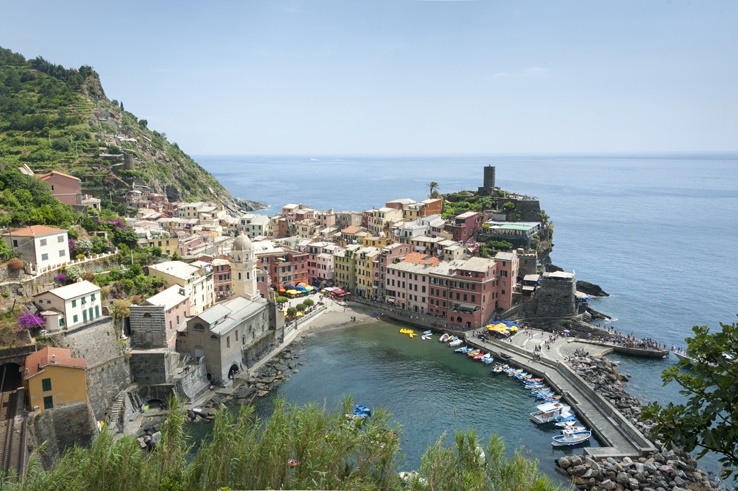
x=405, y=76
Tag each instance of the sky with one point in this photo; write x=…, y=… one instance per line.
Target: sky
x=405, y=77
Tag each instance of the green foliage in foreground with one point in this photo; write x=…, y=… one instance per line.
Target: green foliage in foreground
x=327, y=450
x=705, y=421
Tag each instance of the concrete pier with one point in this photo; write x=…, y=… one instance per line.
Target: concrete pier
x=618, y=436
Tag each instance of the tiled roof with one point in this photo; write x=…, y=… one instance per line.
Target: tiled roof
x=36, y=362
x=419, y=258
x=74, y=290
x=351, y=230
x=36, y=231
x=46, y=176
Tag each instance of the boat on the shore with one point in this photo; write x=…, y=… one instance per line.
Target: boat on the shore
x=549, y=411
x=569, y=438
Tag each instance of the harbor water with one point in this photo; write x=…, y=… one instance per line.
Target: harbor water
x=657, y=232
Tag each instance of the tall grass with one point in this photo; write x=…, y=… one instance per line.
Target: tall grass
x=298, y=447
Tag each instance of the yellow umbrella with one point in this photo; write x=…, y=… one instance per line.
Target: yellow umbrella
x=514, y=329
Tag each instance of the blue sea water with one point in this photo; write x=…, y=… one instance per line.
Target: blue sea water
x=657, y=232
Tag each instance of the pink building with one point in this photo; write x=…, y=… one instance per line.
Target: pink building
x=64, y=187
x=222, y=282
x=389, y=255
x=465, y=226
x=465, y=292
x=407, y=283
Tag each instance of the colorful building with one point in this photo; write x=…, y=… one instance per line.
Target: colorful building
x=71, y=306
x=43, y=248
x=53, y=378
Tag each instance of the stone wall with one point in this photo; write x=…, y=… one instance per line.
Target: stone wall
x=148, y=326
x=62, y=428
x=556, y=298
x=105, y=381
x=153, y=367
x=96, y=342
x=192, y=381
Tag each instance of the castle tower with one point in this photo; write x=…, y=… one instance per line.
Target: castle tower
x=243, y=268
x=489, y=181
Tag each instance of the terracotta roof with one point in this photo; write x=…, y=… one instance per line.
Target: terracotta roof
x=46, y=176
x=36, y=362
x=420, y=258
x=351, y=230
x=36, y=231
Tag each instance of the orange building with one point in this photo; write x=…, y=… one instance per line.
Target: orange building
x=63, y=186
x=53, y=378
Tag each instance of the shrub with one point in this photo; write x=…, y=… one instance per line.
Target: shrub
x=308, y=302
x=29, y=320
x=61, y=278
x=15, y=265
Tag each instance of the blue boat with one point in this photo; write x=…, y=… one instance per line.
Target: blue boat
x=361, y=409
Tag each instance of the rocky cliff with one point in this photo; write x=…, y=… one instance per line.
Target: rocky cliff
x=53, y=118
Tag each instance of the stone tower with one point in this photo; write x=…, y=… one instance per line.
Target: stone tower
x=243, y=268
x=489, y=181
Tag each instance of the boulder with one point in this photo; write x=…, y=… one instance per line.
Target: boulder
x=564, y=462
x=622, y=478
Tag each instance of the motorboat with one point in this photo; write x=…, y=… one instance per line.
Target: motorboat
x=521, y=375
x=488, y=358
x=514, y=372
x=570, y=425
x=428, y=332
x=499, y=368
x=461, y=349
x=474, y=353
x=479, y=356
x=533, y=380
x=549, y=411
x=456, y=342
x=444, y=337
x=571, y=438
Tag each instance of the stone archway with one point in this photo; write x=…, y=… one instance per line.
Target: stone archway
x=10, y=377
x=233, y=371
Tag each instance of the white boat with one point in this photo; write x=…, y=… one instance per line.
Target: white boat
x=412, y=476
x=445, y=337
x=428, y=332
x=549, y=411
x=425, y=337
x=512, y=373
x=456, y=342
x=566, y=424
x=571, y=438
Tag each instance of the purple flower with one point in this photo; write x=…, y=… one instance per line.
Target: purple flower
x=60, y=278
x=29, y=320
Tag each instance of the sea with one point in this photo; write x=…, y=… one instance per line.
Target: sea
x=658, y=232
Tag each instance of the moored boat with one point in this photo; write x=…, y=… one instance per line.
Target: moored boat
x=571, y=438
x=444, y=337
x=499, y=368
x=549, y=411
x=455, y=342
x=474, y=353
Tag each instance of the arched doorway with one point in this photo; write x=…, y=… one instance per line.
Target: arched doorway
x=233, y=371
x=10, y=377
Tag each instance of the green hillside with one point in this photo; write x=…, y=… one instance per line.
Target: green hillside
x=55, y=118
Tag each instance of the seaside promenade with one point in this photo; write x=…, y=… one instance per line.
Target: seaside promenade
x=617, y=435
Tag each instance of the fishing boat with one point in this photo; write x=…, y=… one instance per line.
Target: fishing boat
x=514, y=372
x=571, y=438
x=549, y=411
x=488, y=359
x=565, y=418
x=568, y=425
x=521, y=375
x=474, y=353
x=533, y=380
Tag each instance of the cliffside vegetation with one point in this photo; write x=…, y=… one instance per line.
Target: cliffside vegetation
x=56, y=118
x=296, y=448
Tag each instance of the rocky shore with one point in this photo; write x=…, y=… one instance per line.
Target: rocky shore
x=668, y=469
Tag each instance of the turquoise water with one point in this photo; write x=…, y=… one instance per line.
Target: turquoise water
x=427, y=387
x=657, y=232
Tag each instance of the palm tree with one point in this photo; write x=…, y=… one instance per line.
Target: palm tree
x=433, y=189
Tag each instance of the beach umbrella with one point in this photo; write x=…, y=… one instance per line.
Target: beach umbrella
x=289, y=287
x=303, y=284
x=514, y=328
x=282, y=290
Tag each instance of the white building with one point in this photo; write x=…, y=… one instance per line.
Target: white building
x=42, y=247
x=70, y=306
x=196, y=283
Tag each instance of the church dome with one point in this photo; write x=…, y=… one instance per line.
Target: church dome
x=242, y=243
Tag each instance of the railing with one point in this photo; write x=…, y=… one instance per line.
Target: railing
x=75, y=262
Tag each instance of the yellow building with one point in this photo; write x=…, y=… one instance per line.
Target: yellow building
x=375, y=241
x=52, y=378
x=365, y=272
